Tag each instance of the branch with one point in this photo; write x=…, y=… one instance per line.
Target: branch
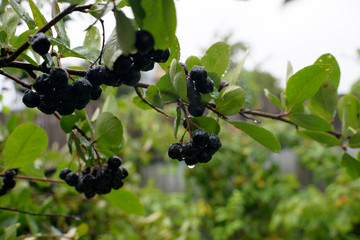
x=49, y=236
x=148, y=103
x=36, y=179
x=40, y=214
x=15, y=79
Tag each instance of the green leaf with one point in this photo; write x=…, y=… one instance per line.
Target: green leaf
x=178, y=79
x=160, y=21
x=324, y=102
x=217, y=58
x=81, y=230
x=26, y=143
x=322, y=137
x=138, y=11
x=261, y=135
x=273, y=99
x=86, y=52
x=154, y=97
x=39, y=17
x=140, y=103
x=9, y=22
x=126, y=201
x=354, y=141
x=23, y=14
x=230, y=100
x=125, y=32
x=166, y=88
x=349, y=113
x=60, y=26
x=216, y=79
x=334, y=73
x=10, y=232
x=192, y=61
x=235, y=76
x=3, y=38
x=92, y=38
x=111, y=50
x=12, y=122
x=174, y=54
x=98, y=11
x=351, y=165
x=177, y=121
x=209, y=124
x=67, y=52
x=68, y=122
x=110, y=105
x=22, y=38
x=108, y=131
x=27, y=58
x=310, y=121
x=305, y=83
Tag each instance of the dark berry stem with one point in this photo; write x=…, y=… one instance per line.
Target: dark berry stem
x=15, y=79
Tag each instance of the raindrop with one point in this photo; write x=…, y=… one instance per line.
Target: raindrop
x=191, y=166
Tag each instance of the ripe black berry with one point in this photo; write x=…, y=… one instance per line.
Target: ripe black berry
x=198, y=73
x=143, y=62
x=124, y=172
x=214, y=143
x=189, y=151
x=72, y=178
x=200, y=138
x=184, y=67
x=131, y=78
x=94, y=77
x=82, y=88
x=64, y=92
x=82, y=102
x=66, y=107
x=160, y=56
x=40, y=43
x=192, y=94
x=191, y=161
x=196, y=109
x=95, y=92
x=205, y=86
x=114, y=162
x=48, y=104
x=31, y=99
x=175, y=151
x=144, y=41
x=42, y=84
x=122, y=65
x=10, y=173
x=58, y=77
x=204, y=157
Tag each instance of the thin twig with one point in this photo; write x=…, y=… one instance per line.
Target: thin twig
x=36, y=179
x=148, y=103
x=48, y=236
x=40, y=214
x=15, y=79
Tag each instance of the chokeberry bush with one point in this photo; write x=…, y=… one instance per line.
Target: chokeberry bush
x=202, y=94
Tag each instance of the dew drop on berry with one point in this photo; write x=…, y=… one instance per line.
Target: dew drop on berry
x=191, y=166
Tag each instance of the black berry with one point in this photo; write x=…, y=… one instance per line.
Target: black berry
x=175, y=151
x=198, y=73
x=114, y=162
x=40, y=43
x=58, y=77
x=200, y=138
x=82, y=88
x=72, y=178
x=31, y=99
x=42, y=84
x=196, y=109
x=144, y=41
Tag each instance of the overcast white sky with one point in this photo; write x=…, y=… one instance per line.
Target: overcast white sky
x=298, y=32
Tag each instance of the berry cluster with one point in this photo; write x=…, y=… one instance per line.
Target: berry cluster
x=8, y=181
x=53, y=92
x=197, y=82
x=40, y=43
x=126, y=69
x=99, y=180
x=199, y=150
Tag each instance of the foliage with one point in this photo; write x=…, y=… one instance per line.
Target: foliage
x=238, y=195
